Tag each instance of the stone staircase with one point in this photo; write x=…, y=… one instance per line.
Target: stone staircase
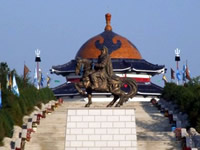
x=153, y=129
x=50, y=134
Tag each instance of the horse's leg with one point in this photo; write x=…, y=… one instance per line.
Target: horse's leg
x=78, y=87
x=89, y=95
x=122, y=99
x=120, y=102
x=113, y=101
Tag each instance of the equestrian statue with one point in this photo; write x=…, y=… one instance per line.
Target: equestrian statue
x=100, y=77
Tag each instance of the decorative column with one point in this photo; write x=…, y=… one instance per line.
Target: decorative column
x=177, y=59
x=38, y=60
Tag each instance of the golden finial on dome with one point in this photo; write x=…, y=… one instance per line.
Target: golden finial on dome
x=108, y=26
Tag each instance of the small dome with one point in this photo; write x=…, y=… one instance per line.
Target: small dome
x=118, y=46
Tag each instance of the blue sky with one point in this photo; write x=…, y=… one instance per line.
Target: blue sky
x=59, y=28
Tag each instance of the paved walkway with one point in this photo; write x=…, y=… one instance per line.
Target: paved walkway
x=153, y=130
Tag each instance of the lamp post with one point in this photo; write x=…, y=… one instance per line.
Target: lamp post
x=177, y=59
x=37, y=60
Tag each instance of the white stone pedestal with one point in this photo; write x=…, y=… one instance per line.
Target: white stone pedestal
x=101, y=129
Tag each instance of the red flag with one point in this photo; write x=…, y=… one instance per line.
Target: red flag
x=187, y=72
x=172, y=74
x=26, y=71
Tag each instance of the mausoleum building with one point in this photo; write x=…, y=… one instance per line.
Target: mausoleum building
x=126, y=59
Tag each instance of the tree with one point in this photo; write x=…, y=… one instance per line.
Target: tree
x=3, y=73
x=187, y=97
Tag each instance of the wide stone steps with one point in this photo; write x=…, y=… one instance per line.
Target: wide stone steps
x=50, y=134
x=153, y=129
x=155, y=136
x=158, y=145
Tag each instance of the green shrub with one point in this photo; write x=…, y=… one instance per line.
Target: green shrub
x=187, y=97
x=14, y=108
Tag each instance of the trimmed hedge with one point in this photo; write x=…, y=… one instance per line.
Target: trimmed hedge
x=14, y=108
x=187, y=97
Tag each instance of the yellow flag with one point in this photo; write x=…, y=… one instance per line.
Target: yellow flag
x=164, y=78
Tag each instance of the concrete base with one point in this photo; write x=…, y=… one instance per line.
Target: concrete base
x=110, y=98
x=110, y=129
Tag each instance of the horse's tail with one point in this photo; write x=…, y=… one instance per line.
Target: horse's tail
x=132, y=85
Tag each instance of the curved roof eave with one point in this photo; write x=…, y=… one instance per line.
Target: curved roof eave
x=115, y=70
x=57, y=71
x=150, y=71
x=143, y=93
x=118, y=65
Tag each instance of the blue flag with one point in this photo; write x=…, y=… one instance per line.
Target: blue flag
x=42, y=80
x=0, y=97
x=178, y=75
x=15, y=89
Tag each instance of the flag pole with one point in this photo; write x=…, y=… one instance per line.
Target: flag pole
x=37, y=60
x=38, y=74
x=178, y=70
x=24, y=76
x=177, y=59
x=186, y=71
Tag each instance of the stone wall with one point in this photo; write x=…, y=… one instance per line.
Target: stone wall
x=95, y=129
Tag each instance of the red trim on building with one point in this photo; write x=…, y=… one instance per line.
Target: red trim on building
x=74, y=80
x=142, y=79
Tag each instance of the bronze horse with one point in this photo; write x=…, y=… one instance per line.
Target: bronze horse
x=112, y=85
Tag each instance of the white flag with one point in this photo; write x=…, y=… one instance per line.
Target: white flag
x=36, y=79
x=15, y=89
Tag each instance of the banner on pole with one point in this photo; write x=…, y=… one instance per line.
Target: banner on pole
x=15, y=89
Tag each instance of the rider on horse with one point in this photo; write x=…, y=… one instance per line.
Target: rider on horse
x=103, y=79
x=104, y=69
